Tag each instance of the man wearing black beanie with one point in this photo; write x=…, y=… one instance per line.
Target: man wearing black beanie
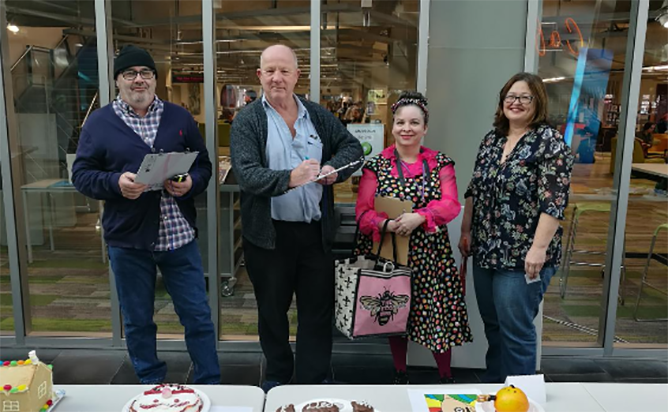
x=149, y=230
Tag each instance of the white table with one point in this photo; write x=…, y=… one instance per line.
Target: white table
x=561, y=397
x=626, y=397
x=107, y=398
x=656, y=169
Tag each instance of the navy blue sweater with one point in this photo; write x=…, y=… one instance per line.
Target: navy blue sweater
x=108, y=148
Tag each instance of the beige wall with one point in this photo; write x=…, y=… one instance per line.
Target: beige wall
x=47, y=37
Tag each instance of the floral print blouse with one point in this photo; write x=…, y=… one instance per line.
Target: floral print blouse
x=509, y=197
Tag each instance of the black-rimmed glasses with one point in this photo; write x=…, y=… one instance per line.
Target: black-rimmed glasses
x=131, y=74
x=523, y=99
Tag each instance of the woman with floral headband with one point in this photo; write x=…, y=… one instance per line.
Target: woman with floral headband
x=406, y=170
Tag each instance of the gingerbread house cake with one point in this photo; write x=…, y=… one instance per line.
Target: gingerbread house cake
x=26, y=385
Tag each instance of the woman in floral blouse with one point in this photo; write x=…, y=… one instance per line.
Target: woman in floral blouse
x=406, y=170
x=514, y=202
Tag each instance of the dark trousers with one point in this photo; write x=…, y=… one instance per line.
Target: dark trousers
x=298, y=265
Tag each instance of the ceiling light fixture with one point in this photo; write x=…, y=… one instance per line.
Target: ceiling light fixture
x=662, y=17
x=553, y=79
x=13, y=28
x=655, y=68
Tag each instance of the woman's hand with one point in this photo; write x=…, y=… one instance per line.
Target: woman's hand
x=534, y=261
x=392, y=225
x=407, y=222
x=465, y=245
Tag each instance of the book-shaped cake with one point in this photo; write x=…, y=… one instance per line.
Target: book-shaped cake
x=451, y=403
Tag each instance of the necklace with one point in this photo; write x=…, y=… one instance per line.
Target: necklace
x=425, y=173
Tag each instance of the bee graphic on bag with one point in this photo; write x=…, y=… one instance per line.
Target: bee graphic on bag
x=385, y=306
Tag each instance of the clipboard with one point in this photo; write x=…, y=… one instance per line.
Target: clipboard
x=393, y=207
x=158, y=167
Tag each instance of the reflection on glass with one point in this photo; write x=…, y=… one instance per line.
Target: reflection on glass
x=54, y=73
x=368, y=57
x=6, y=310
x=172, y=33
x=642, y=319
x=582, y=62
x=244, y=30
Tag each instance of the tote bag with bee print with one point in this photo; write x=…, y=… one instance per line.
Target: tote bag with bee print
x=373, y=296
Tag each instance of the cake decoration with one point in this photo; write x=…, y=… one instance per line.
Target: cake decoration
x=321, y=406
x=26, y=385
x=361, y=406
x=168, y=398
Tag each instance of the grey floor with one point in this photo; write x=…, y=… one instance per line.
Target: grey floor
x=77, y=366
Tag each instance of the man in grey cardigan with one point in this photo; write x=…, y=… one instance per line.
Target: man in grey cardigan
x=279, y=145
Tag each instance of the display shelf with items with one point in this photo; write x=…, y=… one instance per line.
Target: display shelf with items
x=611, y=114
x=230, y=251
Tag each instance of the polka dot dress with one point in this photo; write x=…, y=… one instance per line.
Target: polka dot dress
x=438, y=319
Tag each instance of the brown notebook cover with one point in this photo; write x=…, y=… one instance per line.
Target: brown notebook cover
x=393, y=207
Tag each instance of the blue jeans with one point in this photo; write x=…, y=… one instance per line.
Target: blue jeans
x=135, y=273
x=508, y=307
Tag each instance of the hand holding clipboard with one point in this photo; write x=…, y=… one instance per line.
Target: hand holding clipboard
x=322, y=176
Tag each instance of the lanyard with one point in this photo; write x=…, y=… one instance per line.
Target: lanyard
x=425, y=172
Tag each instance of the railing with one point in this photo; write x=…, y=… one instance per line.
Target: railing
x=20, y=59
x=90, y=108
x=46, y=82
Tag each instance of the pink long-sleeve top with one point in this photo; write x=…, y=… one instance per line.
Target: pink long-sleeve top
x=436, y=213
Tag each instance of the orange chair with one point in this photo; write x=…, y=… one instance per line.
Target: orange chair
x=638, y=154
x=660, y=142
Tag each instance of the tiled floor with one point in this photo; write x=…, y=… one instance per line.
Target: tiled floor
x=103, y=367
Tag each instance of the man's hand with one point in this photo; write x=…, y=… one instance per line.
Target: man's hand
x=407, y=223
x=306, y=172
x=178, y=189
x=130, y=189
x=329, y=180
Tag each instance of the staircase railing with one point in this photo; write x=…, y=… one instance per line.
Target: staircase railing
x=90, y=109
x=52, y=76
x=20, y=59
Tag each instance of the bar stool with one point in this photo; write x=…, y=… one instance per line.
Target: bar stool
x=643, y=280
x=581, y=208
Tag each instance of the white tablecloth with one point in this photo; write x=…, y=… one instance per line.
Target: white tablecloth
x=112, y=398
x=628, y=397
x=561, y=397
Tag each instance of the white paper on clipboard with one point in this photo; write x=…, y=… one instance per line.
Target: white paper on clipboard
x=158, y=167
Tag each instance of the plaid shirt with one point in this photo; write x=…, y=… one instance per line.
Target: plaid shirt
x=174, y=231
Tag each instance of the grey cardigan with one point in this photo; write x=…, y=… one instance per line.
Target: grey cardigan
x=258, y=183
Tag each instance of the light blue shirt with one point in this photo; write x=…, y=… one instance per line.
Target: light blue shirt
x=286, y=153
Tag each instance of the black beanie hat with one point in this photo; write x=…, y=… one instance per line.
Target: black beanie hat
x=131, y=56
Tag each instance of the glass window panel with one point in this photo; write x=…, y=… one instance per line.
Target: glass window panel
x=582, y=50
x=243, y=31
x=6, y=309
x=55, y=79
x=646, y=282
x=172, y=33
x=368, y=58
